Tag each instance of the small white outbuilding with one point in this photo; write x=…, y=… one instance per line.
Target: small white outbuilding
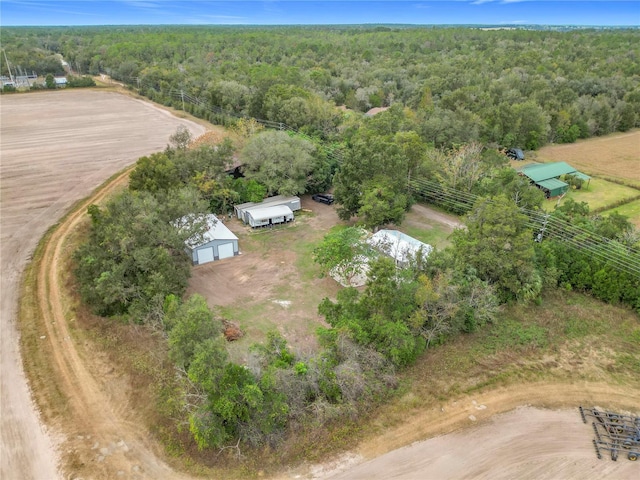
x=217, y=243
x=273, y=215
x=246, y=211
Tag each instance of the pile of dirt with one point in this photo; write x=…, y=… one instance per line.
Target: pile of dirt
x=232, y=331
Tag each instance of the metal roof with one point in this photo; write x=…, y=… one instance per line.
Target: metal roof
x=398, y=245
x=266, y=202
x=217, y=231
x=552, y=184
x=544, y=171
x=269, y=212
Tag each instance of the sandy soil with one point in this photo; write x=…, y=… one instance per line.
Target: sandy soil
x=494, y=437
x=449, y=221
x=56, y=147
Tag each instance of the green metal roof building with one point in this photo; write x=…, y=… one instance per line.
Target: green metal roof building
x=546, y=176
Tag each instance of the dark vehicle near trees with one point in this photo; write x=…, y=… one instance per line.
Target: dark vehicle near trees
x=515, y=154
x=325, y=198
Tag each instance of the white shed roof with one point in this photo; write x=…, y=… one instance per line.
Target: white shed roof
x=217, y=231
x=270, y=212
x=398, y=245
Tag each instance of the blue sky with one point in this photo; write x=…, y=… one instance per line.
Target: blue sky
x=287, y=12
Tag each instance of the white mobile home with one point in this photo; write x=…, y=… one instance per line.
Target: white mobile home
x=242, y=210
x=217, y=243
x=271, y=215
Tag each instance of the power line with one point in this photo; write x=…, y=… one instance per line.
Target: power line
x=578, y=238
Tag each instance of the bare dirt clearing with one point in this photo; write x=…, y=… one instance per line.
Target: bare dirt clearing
x=614, y=156
x=56, y=148
x=525, y=443
x=274, y=283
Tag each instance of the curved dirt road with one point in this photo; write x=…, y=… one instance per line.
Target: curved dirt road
x=56, y=147
x=504, y=440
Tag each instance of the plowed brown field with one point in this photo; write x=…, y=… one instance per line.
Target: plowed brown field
x=615, y=156
x=56, y=147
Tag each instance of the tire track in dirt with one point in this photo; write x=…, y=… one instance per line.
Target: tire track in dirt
x=102, y=437
x=430, y=456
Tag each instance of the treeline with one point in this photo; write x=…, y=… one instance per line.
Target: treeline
x=520, y=88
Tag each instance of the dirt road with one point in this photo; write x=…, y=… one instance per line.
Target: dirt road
x=432, y=214
x=56, y=147
x=493, y=436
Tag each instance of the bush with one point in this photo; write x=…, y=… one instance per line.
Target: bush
x=80, y=82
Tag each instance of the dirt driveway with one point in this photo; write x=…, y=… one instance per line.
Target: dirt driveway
x=56, y=147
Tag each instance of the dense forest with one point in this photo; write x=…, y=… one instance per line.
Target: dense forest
x=520, y=88
x=454, y=96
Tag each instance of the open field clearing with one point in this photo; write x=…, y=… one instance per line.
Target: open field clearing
x=274, y=283
x=599, y=194
x=630, y=210
x=526, y=443
x=56, y=148
x=615, y=156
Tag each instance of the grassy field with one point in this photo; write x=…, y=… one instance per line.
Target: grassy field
x=614, y=157
x=599, y=194
x=630, y=210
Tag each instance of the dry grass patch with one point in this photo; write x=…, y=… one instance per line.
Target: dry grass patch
x=570, y=337
x=599, y=194
x=615, y=156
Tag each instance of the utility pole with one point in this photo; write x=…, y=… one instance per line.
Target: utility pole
x=182, y=96
x=543, y=228
x=7, y=62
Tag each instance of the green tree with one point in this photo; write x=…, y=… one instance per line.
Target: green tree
x=134, y=256
x=342, y=251
x=280, y=162
x=50, y=82
x=498, y=244
x=181, y=139
x=154, y=173
x=373, y=162
x=382, y=205
x=189, y=325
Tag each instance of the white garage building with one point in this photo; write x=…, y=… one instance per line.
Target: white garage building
x=217, y=243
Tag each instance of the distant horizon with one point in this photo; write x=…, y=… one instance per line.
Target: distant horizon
x=490, y=13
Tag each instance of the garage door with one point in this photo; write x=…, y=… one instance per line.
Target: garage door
x=205, y=255
x=225, y=250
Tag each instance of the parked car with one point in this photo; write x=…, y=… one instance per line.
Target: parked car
x=515, y=154
x=325, y=198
